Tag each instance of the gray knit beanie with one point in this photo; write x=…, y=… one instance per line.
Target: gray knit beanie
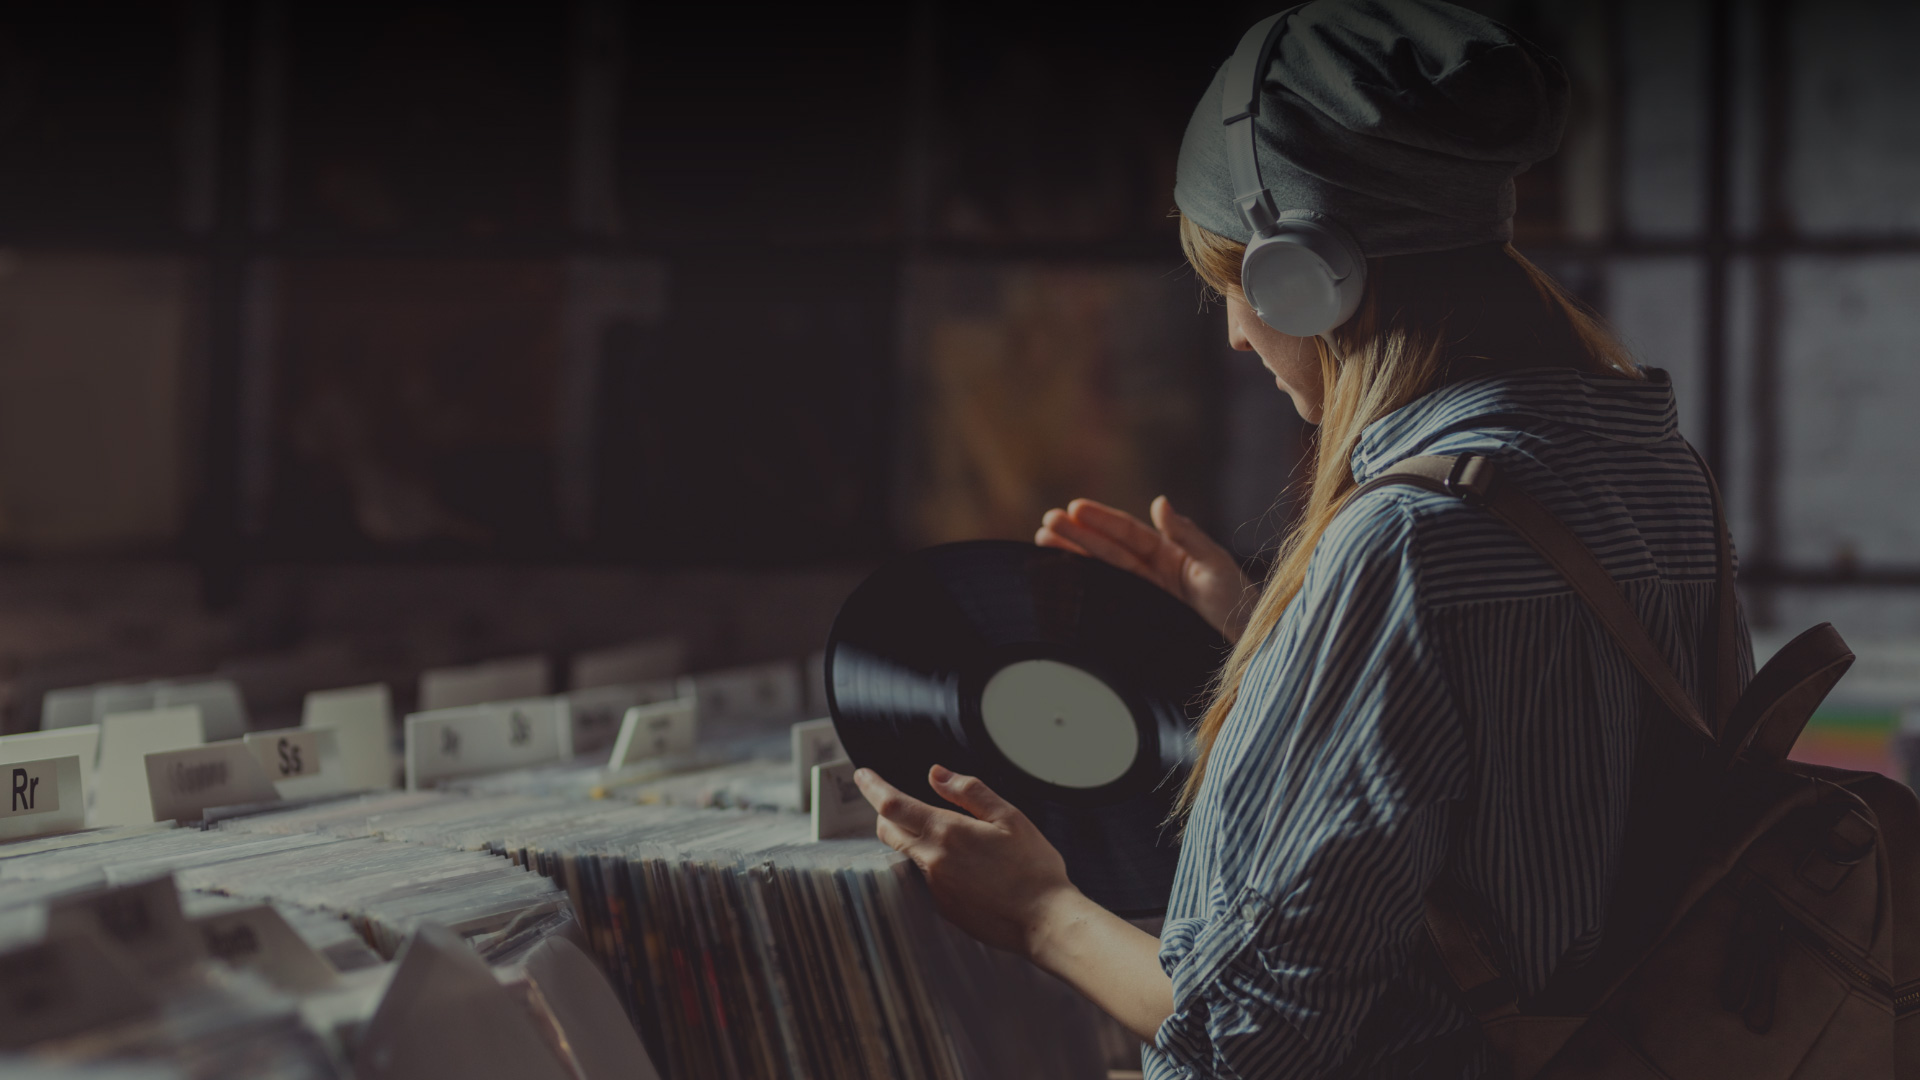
x=1404, y=120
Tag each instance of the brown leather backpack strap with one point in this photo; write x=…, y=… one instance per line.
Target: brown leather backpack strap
x=1725, y=682
x=1472, y=478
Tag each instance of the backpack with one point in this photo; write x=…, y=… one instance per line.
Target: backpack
x=1767, y=919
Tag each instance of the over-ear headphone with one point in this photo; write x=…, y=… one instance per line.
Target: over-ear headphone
x=1303, y=273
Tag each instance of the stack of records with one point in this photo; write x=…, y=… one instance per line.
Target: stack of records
x=88, y=1008
x=745, y=773
x=384, y=890
x=740, y=949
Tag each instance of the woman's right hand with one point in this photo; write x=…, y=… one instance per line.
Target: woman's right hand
x=1173, y=553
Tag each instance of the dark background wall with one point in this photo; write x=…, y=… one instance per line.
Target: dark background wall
x=341, y=339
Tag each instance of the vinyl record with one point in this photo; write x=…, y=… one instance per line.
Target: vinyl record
x=1069, y=686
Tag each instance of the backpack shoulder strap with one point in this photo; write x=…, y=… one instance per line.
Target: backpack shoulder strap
x=1462, y=950
x=1472, y=478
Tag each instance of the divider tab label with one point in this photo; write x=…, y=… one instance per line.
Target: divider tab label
x=477, y=739
x=286, y=754
x=40, y=798
x=839, y=810
x=184, y=783
x=651, y=731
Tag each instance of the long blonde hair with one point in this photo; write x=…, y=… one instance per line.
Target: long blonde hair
x=1424, y=321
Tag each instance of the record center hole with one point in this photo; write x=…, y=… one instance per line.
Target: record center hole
x=1059, y=724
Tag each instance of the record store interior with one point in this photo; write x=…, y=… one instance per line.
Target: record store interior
x=477, y=479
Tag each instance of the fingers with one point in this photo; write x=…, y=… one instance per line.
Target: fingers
x=1118, y=526
x=971, y=794
x=891, y=835
x=1182, y=530
x=908, y=814
x=1046, y=537
x=1096, y=544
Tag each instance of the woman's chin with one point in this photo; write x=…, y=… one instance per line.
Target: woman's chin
x=1309, y=411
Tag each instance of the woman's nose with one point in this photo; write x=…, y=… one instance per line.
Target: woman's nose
x=1236, y=337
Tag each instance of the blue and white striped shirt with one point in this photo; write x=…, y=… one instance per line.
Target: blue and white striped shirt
x=1434, y=667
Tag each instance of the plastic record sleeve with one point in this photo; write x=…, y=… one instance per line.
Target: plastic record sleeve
x=1069, y=686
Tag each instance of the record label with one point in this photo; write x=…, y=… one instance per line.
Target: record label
x=1059, y=724
x=1069, y=686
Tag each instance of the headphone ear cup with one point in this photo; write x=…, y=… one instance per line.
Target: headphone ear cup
x=1290, y=278
x=1289, y=287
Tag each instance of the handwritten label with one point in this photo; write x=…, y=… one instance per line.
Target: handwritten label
x=479, y=684
x=634, y=662
x=184, y=783
x=593, y=717
x=361, y=718
x=596, y=714
x=839, y=810
x=142, y=918
x=760, y=692
x=258, y=939
x=119, y=793
x=287, y=754
x=815, y=742
x=70, y=982
x=41, y=798
x=651, y=731
x=448, y=743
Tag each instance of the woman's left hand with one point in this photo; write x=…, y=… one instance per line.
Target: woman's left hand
x=992, y=874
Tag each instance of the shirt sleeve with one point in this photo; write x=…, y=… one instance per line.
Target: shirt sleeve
x=1326, y=803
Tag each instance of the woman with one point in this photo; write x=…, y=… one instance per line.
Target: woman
x=1416, y=698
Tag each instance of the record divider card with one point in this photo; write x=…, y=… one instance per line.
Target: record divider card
x=651, y=731
x=41, y=798
x=814, y=743
x=361, y=718
x=595, y=714
x=82, y=742
x=474, y=740
x=120, y=793
x=184, y=784
x=307, y=763
x=288, y=754
x=258, y=939
x=840, y=812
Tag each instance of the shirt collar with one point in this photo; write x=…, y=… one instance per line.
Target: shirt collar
x=1624, y=410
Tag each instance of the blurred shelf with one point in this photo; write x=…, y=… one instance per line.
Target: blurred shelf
x=1124, y=250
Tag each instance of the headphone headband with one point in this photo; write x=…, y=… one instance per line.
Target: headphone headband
x=1302, y=273
x=1239, y=105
